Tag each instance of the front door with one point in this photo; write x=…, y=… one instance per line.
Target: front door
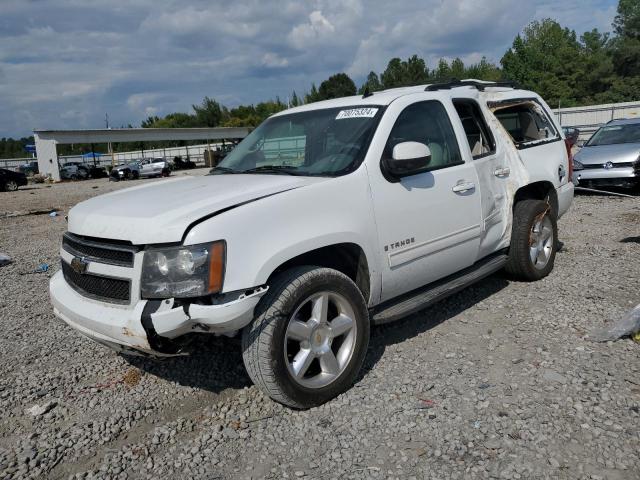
x=428, y=223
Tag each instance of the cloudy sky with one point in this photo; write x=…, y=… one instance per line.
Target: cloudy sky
x=65, y=63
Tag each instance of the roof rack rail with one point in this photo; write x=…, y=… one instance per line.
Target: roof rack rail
x=481, y=86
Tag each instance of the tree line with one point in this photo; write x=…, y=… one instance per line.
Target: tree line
x=564, y=68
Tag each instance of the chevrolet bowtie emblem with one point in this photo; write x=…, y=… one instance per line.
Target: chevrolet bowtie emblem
x=79, y=265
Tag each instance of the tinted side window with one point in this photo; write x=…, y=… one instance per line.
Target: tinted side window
x=428, y=123
x=478, y=135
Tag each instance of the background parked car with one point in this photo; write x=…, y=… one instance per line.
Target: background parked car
x=74, y=171
x=611, y=157
x=97, y=172
x=154, y=167
x=180, y=164
x=30, y=168
x=126, y=171
x=147, y=167
x=10, y=180
x=571, y=134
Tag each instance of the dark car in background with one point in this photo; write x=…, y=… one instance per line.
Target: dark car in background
x=611, y=157
x=10, y=180
x=30, y=168
x=571, y=134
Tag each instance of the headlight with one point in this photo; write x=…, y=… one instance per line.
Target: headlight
x=577, y=165
x=189, y=271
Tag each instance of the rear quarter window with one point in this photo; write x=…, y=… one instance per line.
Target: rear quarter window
x=526, y=121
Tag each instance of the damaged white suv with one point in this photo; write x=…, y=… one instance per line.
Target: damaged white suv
x=326, y=219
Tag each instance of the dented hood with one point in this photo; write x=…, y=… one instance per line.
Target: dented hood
x=161, y=212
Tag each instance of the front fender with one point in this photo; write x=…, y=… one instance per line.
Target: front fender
x=263, y=234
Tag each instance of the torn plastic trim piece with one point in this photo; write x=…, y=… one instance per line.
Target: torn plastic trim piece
x=156, y=341
x=232, y=312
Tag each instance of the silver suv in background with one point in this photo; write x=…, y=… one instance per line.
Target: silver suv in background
x=147, y=167
x=611, y=157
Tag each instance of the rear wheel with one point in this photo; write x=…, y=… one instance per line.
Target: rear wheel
x=11, y=186
x=533, y=240
x=309, y=338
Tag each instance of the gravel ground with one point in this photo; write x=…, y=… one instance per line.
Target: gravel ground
x=498, y=381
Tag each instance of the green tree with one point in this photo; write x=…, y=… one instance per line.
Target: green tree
x=483, y=70
x=443, y=71
x=546, y=58
x=336, y=86
x=372, y=83
x=457, y=69
x=401, y=73
x=295, y=101
x=150, y=121
x=596, y=65
x=313, y=95
x=209, y=113
x=627, y=21
x=177, y=120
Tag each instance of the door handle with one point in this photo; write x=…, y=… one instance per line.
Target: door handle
x=462, y=187
x=502, y=171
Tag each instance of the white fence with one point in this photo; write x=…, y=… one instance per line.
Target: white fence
x=589, y=119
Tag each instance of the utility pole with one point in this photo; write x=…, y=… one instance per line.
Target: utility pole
x=109, y=147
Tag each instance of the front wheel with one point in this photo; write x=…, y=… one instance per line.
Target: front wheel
x=533, y=241
x=309, y=337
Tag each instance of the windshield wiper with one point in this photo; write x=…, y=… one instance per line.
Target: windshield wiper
x=272, y=169
x=215, y=170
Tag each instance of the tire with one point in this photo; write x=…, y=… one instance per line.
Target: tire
x=270, y=343
x=11, y=186
x=533, y=223
x=135, y=174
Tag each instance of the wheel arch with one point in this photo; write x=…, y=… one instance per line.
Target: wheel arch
x=348, y=258
x=542, y=190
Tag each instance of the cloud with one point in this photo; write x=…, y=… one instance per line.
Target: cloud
x=65, y=63
x=316, y=29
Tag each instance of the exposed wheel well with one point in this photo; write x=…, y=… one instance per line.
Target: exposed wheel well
x=538, y=191
x=347, y=258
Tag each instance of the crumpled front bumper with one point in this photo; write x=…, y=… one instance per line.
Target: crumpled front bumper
x=136, y=327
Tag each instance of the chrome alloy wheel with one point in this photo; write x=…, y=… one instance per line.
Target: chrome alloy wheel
x=541, y=242
x=320, y=339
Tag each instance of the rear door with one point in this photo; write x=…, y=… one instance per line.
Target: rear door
x=146, y=168
x=492, y=167
x=428, y=223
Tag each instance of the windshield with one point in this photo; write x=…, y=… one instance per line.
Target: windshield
x=328, y=142
x=613, y=134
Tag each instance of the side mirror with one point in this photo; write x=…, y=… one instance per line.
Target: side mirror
x=408, y=158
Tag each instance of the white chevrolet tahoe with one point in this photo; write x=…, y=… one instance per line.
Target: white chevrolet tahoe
x=326, y=219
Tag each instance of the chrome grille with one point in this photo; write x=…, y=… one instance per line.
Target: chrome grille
x=613, y=165
x=103, y=251
x=114, y=290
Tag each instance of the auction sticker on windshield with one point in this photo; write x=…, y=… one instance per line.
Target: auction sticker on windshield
x=357, y=113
